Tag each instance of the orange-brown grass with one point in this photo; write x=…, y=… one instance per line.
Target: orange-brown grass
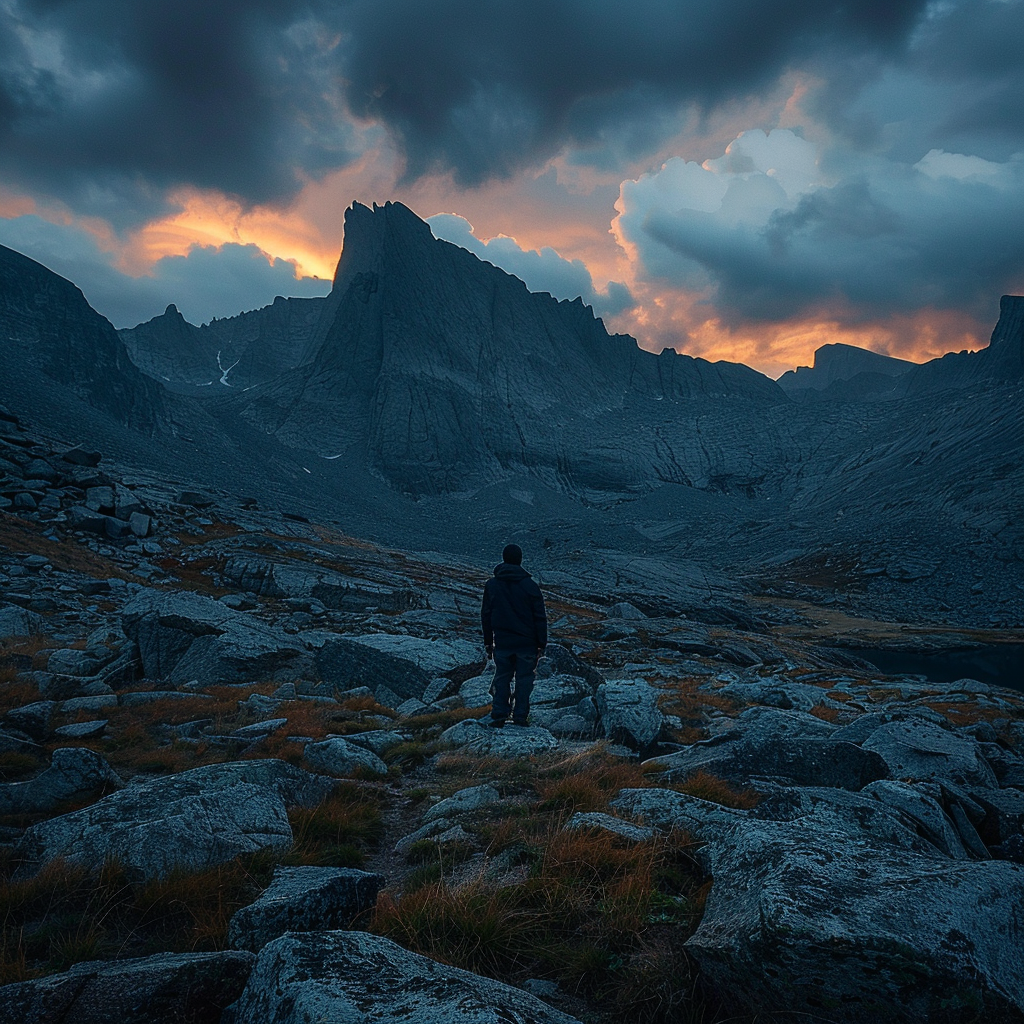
x=586, y=781
x=589, y=912
x=966, y=713
x=15, y=765
x=689, y=702
x=67, y=555
x=710, y=787
x=825, y=713
x=15, y=693
x=192, y=910
x=64, y=914
x=338, y=831
x=368, y=706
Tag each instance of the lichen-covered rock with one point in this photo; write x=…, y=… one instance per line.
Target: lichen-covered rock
x=923, y=751
x=339, y=756
x=152, y=990
x=345, y=664
x=806, y=919
x=357, y=978
x=820, y=916
x=304, y=899
x=193, y=820
x=511, y=741
x=182, y=636
x=75, y=773
x=803, y=760
x=606, y=823
x=629, y=712
x=17, y=621
x=462, y=802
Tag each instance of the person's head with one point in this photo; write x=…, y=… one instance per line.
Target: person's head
x=512, y=555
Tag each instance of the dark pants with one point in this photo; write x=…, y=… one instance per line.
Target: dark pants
x=521, y=663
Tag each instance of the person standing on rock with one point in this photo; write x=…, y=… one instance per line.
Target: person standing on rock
x=515, y=627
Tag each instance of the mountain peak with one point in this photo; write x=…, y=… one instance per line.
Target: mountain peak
x=1006, y=348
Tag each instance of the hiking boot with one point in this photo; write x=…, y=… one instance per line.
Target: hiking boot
x=522, y=725
x=493, y=723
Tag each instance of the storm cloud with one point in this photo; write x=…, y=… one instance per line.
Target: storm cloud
x=110, y=105
x=766, y=235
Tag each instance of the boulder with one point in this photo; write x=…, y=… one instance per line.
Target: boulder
x=345, y=664
x=194, y=987
x=451, y=657
x=511, y=741
x=629, y=713
x=921, y=805
x=193, y=820
x=32, y=719
x=304, y=899
x=338, y=756
x=809, y=920
x=75, y=773
x=182, y=636
x=627, y=830
x=924, y=751
x=356, y=977
x=813, y=915
x=17, y=621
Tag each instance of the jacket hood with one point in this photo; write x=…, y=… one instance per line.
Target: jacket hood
x=510, y=572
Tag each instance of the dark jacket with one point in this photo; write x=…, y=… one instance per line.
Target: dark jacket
x=513, y=613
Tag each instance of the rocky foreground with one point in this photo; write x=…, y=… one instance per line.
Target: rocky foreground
x=245, y=780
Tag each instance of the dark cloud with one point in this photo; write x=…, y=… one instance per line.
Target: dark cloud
x=108, y=104
x=484, y=87
x=209, y=282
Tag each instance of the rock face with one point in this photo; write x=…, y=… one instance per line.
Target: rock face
x=193, y=820
x=845, y=364
x=354, y=977
x=236, y=352
x=74, y=774
x=48, y=326
x=153, y=990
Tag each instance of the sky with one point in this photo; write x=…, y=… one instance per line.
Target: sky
x=733, y=179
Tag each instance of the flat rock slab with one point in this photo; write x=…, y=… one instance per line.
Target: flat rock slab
x=356, y=978
x=805, y=760
x=193, y=820
x=435, y=657
x=511, y=741
x=153, y=990
x=304, y=899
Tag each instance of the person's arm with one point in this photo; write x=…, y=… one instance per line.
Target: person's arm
x=540, y=623
x=485, y=622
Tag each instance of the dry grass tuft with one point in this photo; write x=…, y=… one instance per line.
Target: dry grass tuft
x=710, y=787
x=825, y=713
x=586, y=781
x=585, y=908
x=338, y=831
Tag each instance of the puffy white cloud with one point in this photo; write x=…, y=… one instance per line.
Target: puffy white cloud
x=209, y=282
x=543, y=271
x=766, y=233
